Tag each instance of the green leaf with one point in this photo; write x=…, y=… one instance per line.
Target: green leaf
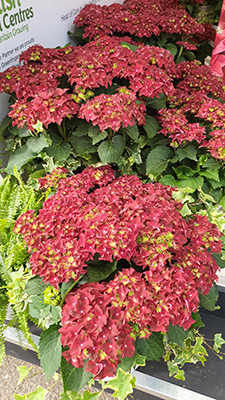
x=122, y=384
x=189, y=152
x=38, y=394
x=185, y=210
x=18, y=397
x=192, y=183
x=74, y=378
x=129, y=46
x=198, y=321
x=66, y=286
x=209, y=300
x=180, y=375
x=211, y=175
x=50, y=350
x=157, y=102
x=157, y=160
x=111, y=151
x=59, y=149
x=64, y=396
x=177, y=335
x=190, y=55
x=132, y=131
x=81, y=146
x=23, y=372
x=37, y=144
x=220, y=262
x=4, y=124
x=35, y=286
x=82, y=129
x=171, y=48
x=183, y=171
x=151, y=126
x=127, y=363
x=218, y=342
x=96, y=135
x=19, y=158
x=152, y=348
x=90, y=396
x=168, y=180
x=21, y=132
x=100, y=270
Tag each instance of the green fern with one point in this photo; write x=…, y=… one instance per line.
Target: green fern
x=15, y=198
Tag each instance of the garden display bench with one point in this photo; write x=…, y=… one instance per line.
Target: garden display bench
x=152, y=381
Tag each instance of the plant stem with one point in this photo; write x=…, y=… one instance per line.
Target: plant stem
x=62, y=131
x=68, y=290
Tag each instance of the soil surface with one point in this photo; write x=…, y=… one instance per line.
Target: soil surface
x=9, y=376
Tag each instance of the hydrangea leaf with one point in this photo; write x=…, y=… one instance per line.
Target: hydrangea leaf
x=4, y=124
x=157, y=160
x=209, y=300
x=83, y=145
x=74, y=378
x=111, y=151
x=177, y=335
x=189, y=152
x=19, y=158
x=50, y=349
x=21, y=132
x=152, y=348
x=171, y=48
x=122, y=384
x=157, y=102
x=220, y=262
x=168, y=180
x=211, y=175
x=96, y=135
x=37, y=144
x=100, y=270
x=133, y=132
x=35, y=285
x=192, y=182
x=59, y=149
x=151, y=126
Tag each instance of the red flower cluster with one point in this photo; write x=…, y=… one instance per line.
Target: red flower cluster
x=142, y=18
x=100, y=322
x=115, y=111
x=216, y=144
x=187, y=45
x=48, y=106
x=176, y=126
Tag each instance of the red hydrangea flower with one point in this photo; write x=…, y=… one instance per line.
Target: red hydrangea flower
x=47, y=107
x=175, y=125
x=142, y=18
x=113, y=111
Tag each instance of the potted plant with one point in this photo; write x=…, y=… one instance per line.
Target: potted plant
x=134, y=235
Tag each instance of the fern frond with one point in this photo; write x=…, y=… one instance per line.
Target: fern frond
x=3, y=308
x=5, y=190
x=4, y=273
x=22, y=320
